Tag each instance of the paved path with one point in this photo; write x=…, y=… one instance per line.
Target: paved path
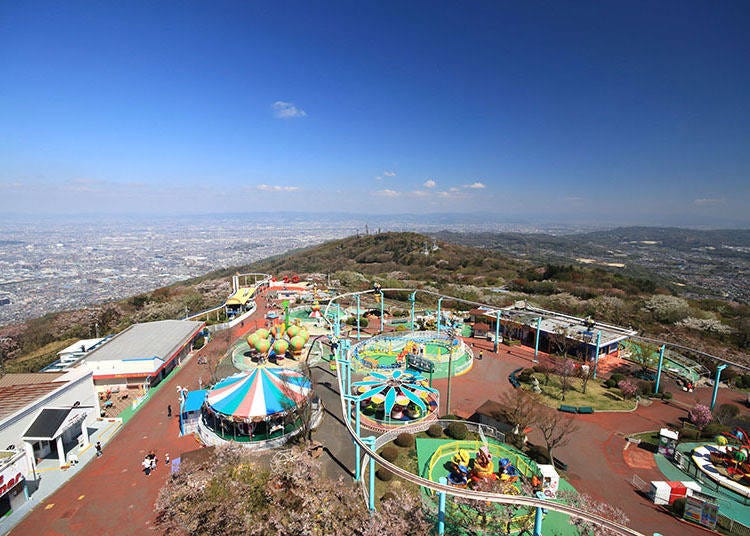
x=111, y=495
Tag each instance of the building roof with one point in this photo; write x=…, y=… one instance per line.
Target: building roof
x=87, y=344
x=152, y=339
x=15, y=397
x=241, y=297
x=51, y=422
x=581, y=329
x=31, y=378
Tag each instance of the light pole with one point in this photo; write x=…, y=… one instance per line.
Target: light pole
x=382, y=310
x=658, y=369
x=598, y=343
x=716, y=384
x=358, y=313
x=440, y=303
x=451, y=334
x=497, y=331
x=412, y=299
x=536, y=342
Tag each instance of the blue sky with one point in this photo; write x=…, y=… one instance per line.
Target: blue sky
x=610, y=112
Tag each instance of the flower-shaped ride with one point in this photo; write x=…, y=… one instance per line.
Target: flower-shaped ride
x=404, y=395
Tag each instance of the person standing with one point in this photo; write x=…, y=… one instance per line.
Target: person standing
x=481, y=355
x=166, y=458
x=98, y=447
x=169, y=410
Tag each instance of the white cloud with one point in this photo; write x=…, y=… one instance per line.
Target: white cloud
x=389, y=173
x=420, y=193
x=276, y=188
x=388, y=193
x=708, y=201
x=287, y=110
x=475, y=185
x=453, y=189
x=429, y=183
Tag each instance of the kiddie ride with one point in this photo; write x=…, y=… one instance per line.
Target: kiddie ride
x=465, y=472
x=732, y=459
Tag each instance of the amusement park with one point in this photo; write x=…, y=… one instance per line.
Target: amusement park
x=513, y=420
x=397, y=373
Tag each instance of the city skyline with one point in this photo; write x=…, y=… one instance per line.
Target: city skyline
x=587, y=112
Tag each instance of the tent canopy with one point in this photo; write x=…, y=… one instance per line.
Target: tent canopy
x=265, y=391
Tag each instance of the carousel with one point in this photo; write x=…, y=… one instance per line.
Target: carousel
x=262, y=408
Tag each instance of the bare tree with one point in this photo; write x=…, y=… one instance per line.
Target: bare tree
x=556, y=429
x=477, y=518
x=521, y=409
x=565, y=369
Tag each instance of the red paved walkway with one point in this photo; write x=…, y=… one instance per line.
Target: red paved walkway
x=596, y=457
x=111, y=495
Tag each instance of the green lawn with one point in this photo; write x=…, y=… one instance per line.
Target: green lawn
x=597, y=396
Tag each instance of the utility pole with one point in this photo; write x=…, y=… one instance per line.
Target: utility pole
x=451, y=332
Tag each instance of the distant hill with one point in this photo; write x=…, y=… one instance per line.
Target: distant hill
x=544, y=271
x=696, y=263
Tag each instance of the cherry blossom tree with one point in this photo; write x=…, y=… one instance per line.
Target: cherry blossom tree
x=700, y=415
x=592, y=506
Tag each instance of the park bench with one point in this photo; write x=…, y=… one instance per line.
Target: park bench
x=568, y=409
x=585, y=409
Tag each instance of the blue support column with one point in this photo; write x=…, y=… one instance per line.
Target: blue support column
x=658, y=369
x=440, y=303
x=357, y=449
x=370, y=442
x=539, y=515
x=497, y=331
x=441, y=508
x=412, y=299
x=716, y=385
x=536, y=342
x=596, y=357
x=358, y=313
x=382, y=310
x=337, y=325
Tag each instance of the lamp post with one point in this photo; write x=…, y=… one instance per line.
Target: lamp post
x=440, y=303
x=441, y=508
x=382, y=310
x=716, y=384
x=412, y=299
x=536, y=342
x=358, y=313
x=658, y=369
x=451, y=334
x=497, y=331
x=596, y=357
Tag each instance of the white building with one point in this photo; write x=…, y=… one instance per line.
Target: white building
x=41, y=415
x=142, y=354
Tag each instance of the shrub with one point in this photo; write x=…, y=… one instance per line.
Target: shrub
x=678, y=507
x=743, y=381
x=690, y=433
x=610, y=383
x=384, y=474
x=726, y=413
x=713, y=429
x=667, y=395
x=525, y=375
x=451, y=417
x=388, y=496
x=457, y=430
x=539, y=454
x=628, y=388
x=645, y=388
x=435, y=430
x=405, y=440
x=617, y=377
x=389, y=453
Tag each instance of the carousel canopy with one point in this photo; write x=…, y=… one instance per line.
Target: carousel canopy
x=260, y=393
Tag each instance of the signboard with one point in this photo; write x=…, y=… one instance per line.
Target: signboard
x=702, y=509
x=13, y=473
